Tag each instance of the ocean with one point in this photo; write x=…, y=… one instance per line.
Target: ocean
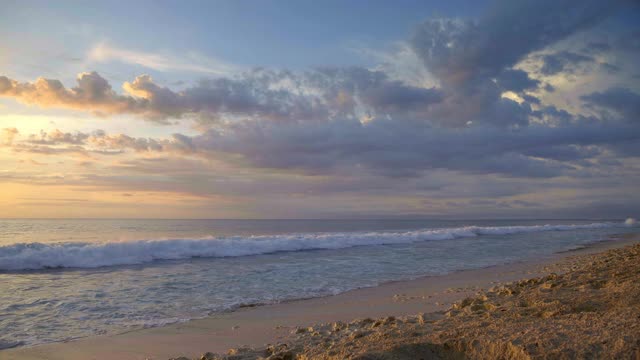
x=66, y=279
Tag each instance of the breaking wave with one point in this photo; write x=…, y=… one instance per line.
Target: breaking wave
x=34, y=256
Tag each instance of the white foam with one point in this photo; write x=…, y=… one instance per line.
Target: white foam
x=91, y=255
x=630, y=222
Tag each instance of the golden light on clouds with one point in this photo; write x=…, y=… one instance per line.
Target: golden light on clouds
x=454, y=112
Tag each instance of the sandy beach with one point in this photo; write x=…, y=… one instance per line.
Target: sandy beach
x=437, y=301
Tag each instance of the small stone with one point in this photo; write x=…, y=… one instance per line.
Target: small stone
x=208, y=356
x=337, y=326
x=358, y=334
x=389, y=320
x=367, y=321
x=285, y=355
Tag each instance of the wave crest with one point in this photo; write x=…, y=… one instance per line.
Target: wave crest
x=34, y=256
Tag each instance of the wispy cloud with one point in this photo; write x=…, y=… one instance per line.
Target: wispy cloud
x=192, y=62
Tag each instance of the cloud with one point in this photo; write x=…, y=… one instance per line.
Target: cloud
x=474, y=60
x=92, y=93
x=386, y=148
x=410, y=149
x=610, y=68
x=622, y=101
x=104, y=52
x=454, y=117
x=597, y=47
x=517, y=81
x=56, y=142
x=464, y=56
x=56, y=136
x=269, y=95
x=562, y=61
x=462, y=51
x=327, y=120
x=149, y=100
x=7, y=135
x=400, y=62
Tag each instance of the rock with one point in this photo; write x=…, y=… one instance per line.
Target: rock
x=208, y=356
x=269, y=350
x=337, y=326
x=285, y=355
x=389, y=320
x=466, y=302
x=273, y=349
x=483, y=307
x=546, y=314
x=451, y=313
x=358, y=334
x=304, y=330
x=367, y=320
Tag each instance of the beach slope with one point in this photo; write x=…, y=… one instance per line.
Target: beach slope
x=590, y=312
x=580, y=304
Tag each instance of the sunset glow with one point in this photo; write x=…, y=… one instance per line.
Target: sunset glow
x=413, y=122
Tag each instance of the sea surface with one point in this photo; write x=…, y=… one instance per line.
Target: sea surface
x=65, y=279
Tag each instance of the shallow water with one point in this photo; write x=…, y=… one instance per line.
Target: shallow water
x=163, y=271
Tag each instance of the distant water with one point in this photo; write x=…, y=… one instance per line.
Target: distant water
x=64, y=279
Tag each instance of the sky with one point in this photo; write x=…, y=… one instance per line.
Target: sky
x=331, y=109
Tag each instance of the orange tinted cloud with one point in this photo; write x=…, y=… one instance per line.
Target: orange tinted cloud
x=7, y=135
x=92, y=93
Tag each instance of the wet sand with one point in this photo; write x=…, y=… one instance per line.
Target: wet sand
x=256, y=327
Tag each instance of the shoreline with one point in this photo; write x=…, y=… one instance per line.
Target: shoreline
x=257, y=325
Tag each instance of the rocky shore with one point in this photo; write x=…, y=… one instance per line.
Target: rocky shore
x=589, y=308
